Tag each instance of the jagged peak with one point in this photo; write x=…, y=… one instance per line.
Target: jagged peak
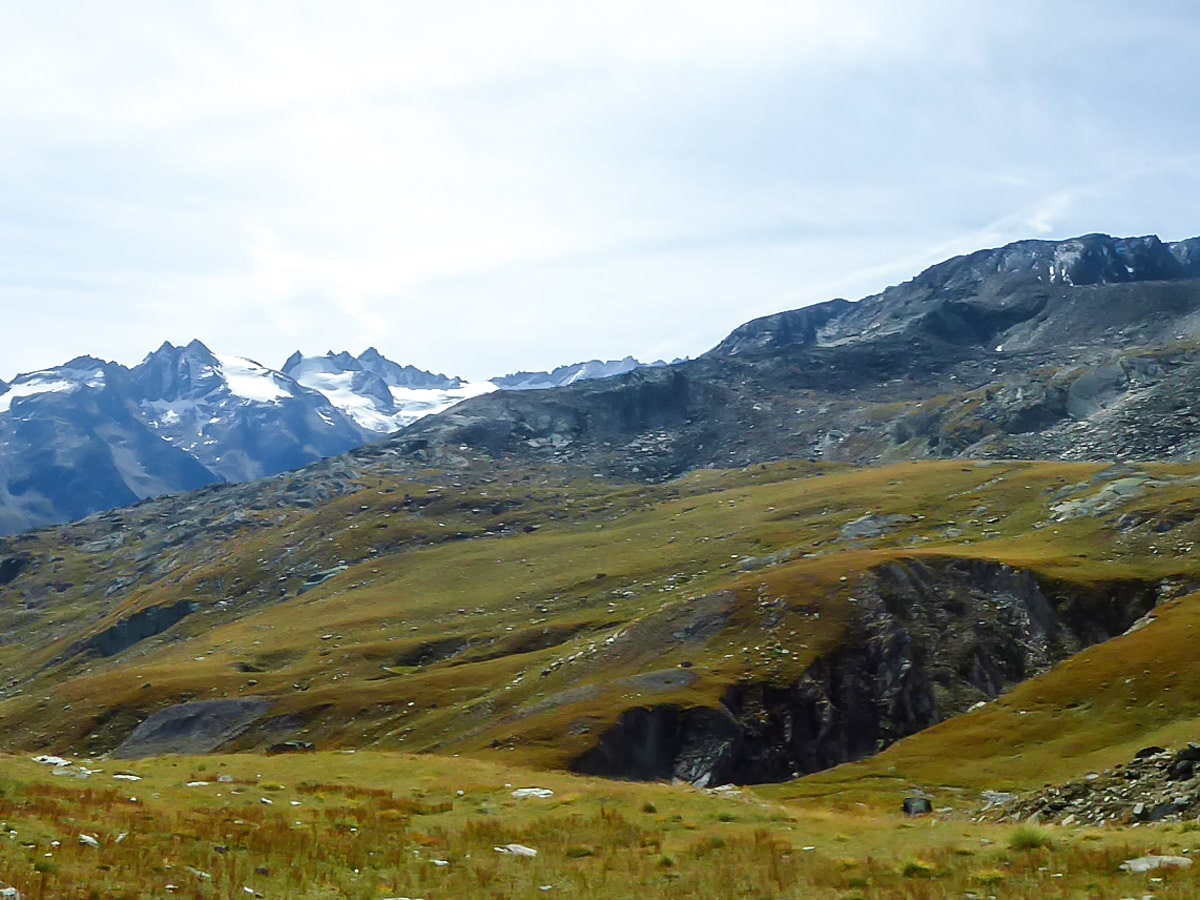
x=292, y=361
x=195, y=349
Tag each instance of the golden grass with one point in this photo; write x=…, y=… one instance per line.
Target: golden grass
x=602, y=562
x=373, y=825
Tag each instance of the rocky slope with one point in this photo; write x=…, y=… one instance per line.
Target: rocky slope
x=743, y=626
x=1015, y=293
x=1081, y=349
x=1157, y=785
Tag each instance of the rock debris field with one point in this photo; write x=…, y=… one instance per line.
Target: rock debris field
x=1157, y=785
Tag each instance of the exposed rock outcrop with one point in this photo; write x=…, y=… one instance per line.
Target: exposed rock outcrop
x=847, y=706
x=141, y=625
x=192, y=728
x=11, y=567
x=932, y=638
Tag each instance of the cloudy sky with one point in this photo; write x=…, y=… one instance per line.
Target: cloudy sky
x=476, y=188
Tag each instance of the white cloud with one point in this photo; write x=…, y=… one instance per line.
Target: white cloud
x=482, y=187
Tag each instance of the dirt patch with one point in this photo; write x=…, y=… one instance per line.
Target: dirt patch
x=662, y=680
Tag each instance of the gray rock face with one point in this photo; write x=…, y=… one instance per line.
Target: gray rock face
x=192, y=728
x=141, y=625
x=696, y=745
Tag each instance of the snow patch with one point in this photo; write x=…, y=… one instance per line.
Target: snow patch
x=38, y=383
x=170, y=413
x=416, y=403
x=250, y=381
x=367, y=412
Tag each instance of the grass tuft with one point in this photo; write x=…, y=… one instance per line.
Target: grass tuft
x=1029, y=837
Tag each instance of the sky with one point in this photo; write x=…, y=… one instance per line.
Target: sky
x=478, y=188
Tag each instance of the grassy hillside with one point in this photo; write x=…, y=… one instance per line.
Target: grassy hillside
x=498, y=626
x=508, y=612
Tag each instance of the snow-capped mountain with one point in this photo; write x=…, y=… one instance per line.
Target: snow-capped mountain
x=380, y=396
x=564, y=375
x=91, y=435
x=238, y=418
x=72, y=442
x=83, y=372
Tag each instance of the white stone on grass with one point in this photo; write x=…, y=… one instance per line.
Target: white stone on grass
x=539, y=793
x=517, y=850
x=1150, y=863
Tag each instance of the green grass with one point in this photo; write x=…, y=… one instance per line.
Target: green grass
x=501, y=655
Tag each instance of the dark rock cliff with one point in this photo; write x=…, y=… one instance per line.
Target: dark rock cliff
x=932, y=638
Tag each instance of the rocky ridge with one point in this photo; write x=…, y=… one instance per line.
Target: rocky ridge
x=1081, y=349
x=565, y=375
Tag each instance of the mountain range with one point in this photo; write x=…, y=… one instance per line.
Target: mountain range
x=1069, y=349
x=930, y=551
x=92, y=435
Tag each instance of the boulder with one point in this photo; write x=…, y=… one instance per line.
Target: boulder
x=1150, y=863
x=292, y=746
x=917, y=806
